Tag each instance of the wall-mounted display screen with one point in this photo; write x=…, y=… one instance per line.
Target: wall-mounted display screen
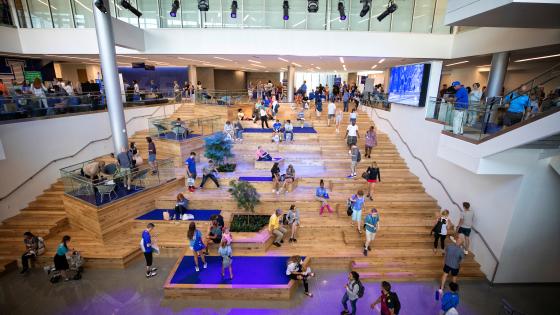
x=408, y=84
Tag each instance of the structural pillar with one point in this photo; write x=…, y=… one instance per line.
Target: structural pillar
x=497, y=74
x=291, y=79
x=192, y=75
x=107, y=57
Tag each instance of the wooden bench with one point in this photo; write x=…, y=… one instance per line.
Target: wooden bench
x=257, y=241
x=267, y=165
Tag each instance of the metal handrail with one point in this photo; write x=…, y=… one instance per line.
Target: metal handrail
x=70, y=156
x=550, y=70
x=444, y=189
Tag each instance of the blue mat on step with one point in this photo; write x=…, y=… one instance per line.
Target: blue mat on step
x=247, y=270
x=256, y=178
x=199, y=215
x=269, y=130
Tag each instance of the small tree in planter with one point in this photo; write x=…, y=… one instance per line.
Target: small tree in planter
x=245, y=195
x=218, y=148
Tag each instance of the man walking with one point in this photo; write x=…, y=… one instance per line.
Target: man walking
x=461, y=105
x=191, y=171
x=453, y=257
x=125, y=161
x=352, y=134
x=208, y=172
x=275, y=229
x=465, y=225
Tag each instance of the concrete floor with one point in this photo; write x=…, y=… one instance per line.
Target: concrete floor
x=129, y=292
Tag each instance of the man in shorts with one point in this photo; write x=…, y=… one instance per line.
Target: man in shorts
x=125, y=162
x=371, y=225
x=453, y=256
x=352, y=134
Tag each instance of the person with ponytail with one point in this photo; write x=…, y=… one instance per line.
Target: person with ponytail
x=60, y=261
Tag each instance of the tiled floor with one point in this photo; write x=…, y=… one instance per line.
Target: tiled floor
x=129, y=292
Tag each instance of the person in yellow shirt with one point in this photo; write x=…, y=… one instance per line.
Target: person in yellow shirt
x=275, y=228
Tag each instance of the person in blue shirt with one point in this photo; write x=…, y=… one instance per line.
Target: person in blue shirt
x=322, y=195
x=371, y=224
x=60, y=261
x=277, y=126
x=516, y=103
x=319, y=103
x=147, y=248
x=461, y=105
x=357, y=202
x=450, y=299
x=266, y=102
x=191, y=171
x=345, y=98
x=303, y=88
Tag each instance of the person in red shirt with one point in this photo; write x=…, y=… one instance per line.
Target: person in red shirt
x=387, y=299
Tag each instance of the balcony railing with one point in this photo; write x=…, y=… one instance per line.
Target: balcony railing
x=175, y=129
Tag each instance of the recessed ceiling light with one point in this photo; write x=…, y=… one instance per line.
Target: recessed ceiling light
x=283, y=59
x=258, y=66
x=253, y=61
x=483, y=66
x=191, y=59
x=457, y=63
x=381, y=60
x=341, y=59
x=318, y=68
x=295, y=64
x=374, y=66
x=537, y=58
x=223, y=58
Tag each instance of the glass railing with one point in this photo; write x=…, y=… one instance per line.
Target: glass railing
x=376, y=100
x=178, y=130
x=102, y=181
x=29, y=106
x=222, y=97
x=477, y=121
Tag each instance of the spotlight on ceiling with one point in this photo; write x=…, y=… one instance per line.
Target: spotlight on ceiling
x=174, y=8
x=101, y=6
x=233, y=9
x=391, y=7
x=365, y=8
x=341, y=10
x=203, y=5
x=312, y=6
x=125, y=4
x=286, y=8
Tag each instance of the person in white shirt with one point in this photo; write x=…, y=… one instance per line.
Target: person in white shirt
x=465, y=225
x=68, y=88
x=475, y=97
x=331, y=112
x=352, y=134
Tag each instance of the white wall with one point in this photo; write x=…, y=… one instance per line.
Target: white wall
x=495, y=199
x=29, y=146
x=69, y=71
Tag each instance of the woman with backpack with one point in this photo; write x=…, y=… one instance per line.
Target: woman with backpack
x=389, y=301
x=295, y=271
x=440, y=230
x=196, y=244
x=354, y=290
x=373, y=175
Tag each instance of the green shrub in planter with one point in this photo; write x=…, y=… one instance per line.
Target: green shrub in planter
x=245, y=194
x=218, y=148
x=248, y=222
x=227, y=167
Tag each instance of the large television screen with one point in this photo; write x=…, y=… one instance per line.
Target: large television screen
x=408, y=84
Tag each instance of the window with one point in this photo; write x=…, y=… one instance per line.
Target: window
x=273, y=14
x=190, y=14
x=355, y=21
x=150, y=13
x=298, y=14
x=253, y=12
x=40, y=14
x=228, y=21
x=83, y=14
x=378, y=7
x=336, y=22
x=61, y=13
x=167, y=21
x=439, y=16
x=402, y=18
x=317, y=21
x=423, y=16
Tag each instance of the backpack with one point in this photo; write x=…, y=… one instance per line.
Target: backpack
x=437, y=227
x=359, y=157
x=396, y=302
x=40, y=246
x=361, y=289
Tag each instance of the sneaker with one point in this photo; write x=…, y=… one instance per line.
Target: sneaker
x=365, y=251
x=282, y=241
x=345, y=312
x=154, y=269
x=369, y=248
x=274, y=190
x=196, y=268
x=290, y=240
x=276, y=244
x=205, y=265
x=153, y=273
x=294, y=240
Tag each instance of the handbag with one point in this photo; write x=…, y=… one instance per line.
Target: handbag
x=365, y=175
x=349, y=211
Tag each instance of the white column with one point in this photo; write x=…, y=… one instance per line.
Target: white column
x=291, y=79
x=497, y=74
x=192, y=75
x=107, y=57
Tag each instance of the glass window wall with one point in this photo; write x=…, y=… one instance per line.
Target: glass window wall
x=83, y=14
x=419, y=16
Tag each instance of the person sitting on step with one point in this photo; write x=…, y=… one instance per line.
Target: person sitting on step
x=292, y=220
x=275, y=173
x=288, y=131
x=295, y=271
x=181, y=206
x=275, y=228
x=209, y=171
x=214, y=235
x=301, y=117
x=289, y=179
x=262, y=155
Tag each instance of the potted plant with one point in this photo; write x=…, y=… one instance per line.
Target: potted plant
x=218, y=148
x=247, y=198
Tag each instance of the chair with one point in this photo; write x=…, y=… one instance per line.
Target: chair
x=107, y=189
x=179, y=130
x=160, y=128
x=140, y=176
